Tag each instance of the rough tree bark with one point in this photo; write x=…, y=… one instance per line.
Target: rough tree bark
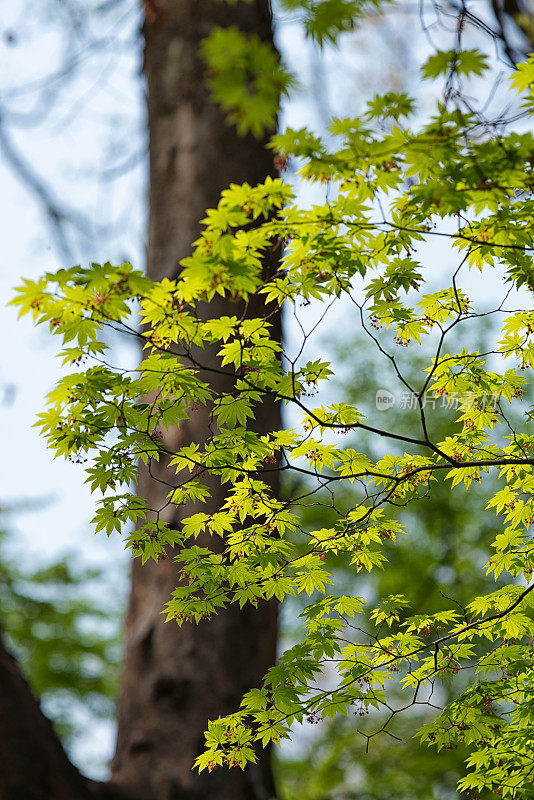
x=174, y=679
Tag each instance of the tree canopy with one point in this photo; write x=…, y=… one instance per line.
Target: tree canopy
x=393, y=183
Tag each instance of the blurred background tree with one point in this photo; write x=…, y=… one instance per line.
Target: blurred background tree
x=61, y=619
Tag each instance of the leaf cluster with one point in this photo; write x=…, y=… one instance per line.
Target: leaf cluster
x=397, y=186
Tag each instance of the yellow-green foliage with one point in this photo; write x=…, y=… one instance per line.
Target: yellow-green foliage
x=394, y=187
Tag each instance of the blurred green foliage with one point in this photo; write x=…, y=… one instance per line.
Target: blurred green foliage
x=62, y=622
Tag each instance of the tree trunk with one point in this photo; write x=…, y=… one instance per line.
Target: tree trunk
x=33, y=764
x=175, y=679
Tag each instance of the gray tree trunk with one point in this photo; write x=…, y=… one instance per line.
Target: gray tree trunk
x=175, y=679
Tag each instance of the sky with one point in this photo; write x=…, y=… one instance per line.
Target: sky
x=69, y=138
x=72, y=112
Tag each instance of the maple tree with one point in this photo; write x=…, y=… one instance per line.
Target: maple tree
x=393, y=183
